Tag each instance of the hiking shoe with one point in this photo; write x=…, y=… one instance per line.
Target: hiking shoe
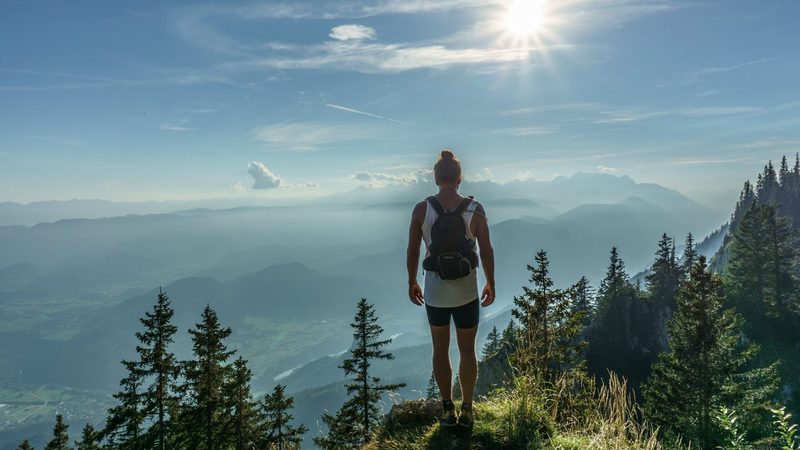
x=466, y=417
x=448, y=418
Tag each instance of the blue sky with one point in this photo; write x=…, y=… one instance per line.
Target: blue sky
x=143, y=100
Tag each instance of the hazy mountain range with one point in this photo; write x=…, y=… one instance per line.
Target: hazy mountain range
x=286, y=277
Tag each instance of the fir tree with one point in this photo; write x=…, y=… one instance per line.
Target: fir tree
x=549, y=324
x=509, y=339
x=277, y=429
x=664, y=276
x=705, y=368
x=203, y=414
x=620, y=328
x=60, y=439
x=761, y=271
x=747, y=198
x=583, y=302
x=352, y=425
x=90, y=439
x=124, y=423
x=158, y=363
x=25, y=445
x=243, y=416
x=432, y=392
x=689, y=256
x=492, y=344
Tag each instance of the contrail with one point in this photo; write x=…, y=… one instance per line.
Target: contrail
x=363, y=113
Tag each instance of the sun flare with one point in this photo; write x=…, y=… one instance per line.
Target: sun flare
x=525, y=17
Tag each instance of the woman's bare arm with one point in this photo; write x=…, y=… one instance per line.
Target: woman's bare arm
x=486, y=253
x=413, y=253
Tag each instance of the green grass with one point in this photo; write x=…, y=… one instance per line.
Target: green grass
x=524, y=418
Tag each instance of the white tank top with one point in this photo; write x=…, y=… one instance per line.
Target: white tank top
x=449, y=293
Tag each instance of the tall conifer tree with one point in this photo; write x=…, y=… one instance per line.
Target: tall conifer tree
x=243, y=424
x=90, y=439
x=353, y=424
x=762, y=269
x=277, y=430
x=689, y=256
x=203, y=415
x=124, y=423
x=705, y=368
x=549, y=324
x=60, y=439
x=664, y=276
x=492, y=344
x=158, y=363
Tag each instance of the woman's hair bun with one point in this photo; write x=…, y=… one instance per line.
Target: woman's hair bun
x=447, y=154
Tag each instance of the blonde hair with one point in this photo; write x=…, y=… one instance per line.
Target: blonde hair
x=448, y=168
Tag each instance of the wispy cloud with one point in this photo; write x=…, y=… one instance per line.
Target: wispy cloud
x=59, y=140
x=48, y=80
x=306, y=136
x=181, y=125
x=709, y=161
x=634, y=115
x=525, y=131
x=362, y=113
x=383, y=179
x=697, y=75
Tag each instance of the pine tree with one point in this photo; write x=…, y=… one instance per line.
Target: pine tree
x=747, y=198
x=243, y=416
x=432, y=392
x=510, y=337
x=664, y=276
x=158, y=363
x=25, y=445
x=277, y=430
x=583, y=302
x=60, y=439
x=705, y=368
x=689, y=256
x=761, y=271
x=617, y=334
x=90, y=439
x=549, y=324
x=203, y=414
x=352, y=425
x=492, y=344
x=124, y=423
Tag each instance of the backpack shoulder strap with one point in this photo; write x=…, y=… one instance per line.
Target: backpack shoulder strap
x=436, y=205
x=463, y=205
x=473, y=205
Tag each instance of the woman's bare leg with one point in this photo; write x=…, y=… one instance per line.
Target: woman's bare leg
x=442, y=371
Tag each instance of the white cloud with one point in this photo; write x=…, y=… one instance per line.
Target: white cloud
x=484, y=174
x=524, y=175
x=181, y=125
x=352, y=33
x=263, y=178
x=238, y=186
x=371, y=57
x=382, y=179
x=606, y=169
x=305, y=136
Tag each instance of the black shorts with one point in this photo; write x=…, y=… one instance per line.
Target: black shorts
x=464, y=316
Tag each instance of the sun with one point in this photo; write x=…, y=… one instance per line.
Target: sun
x=525, y=17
